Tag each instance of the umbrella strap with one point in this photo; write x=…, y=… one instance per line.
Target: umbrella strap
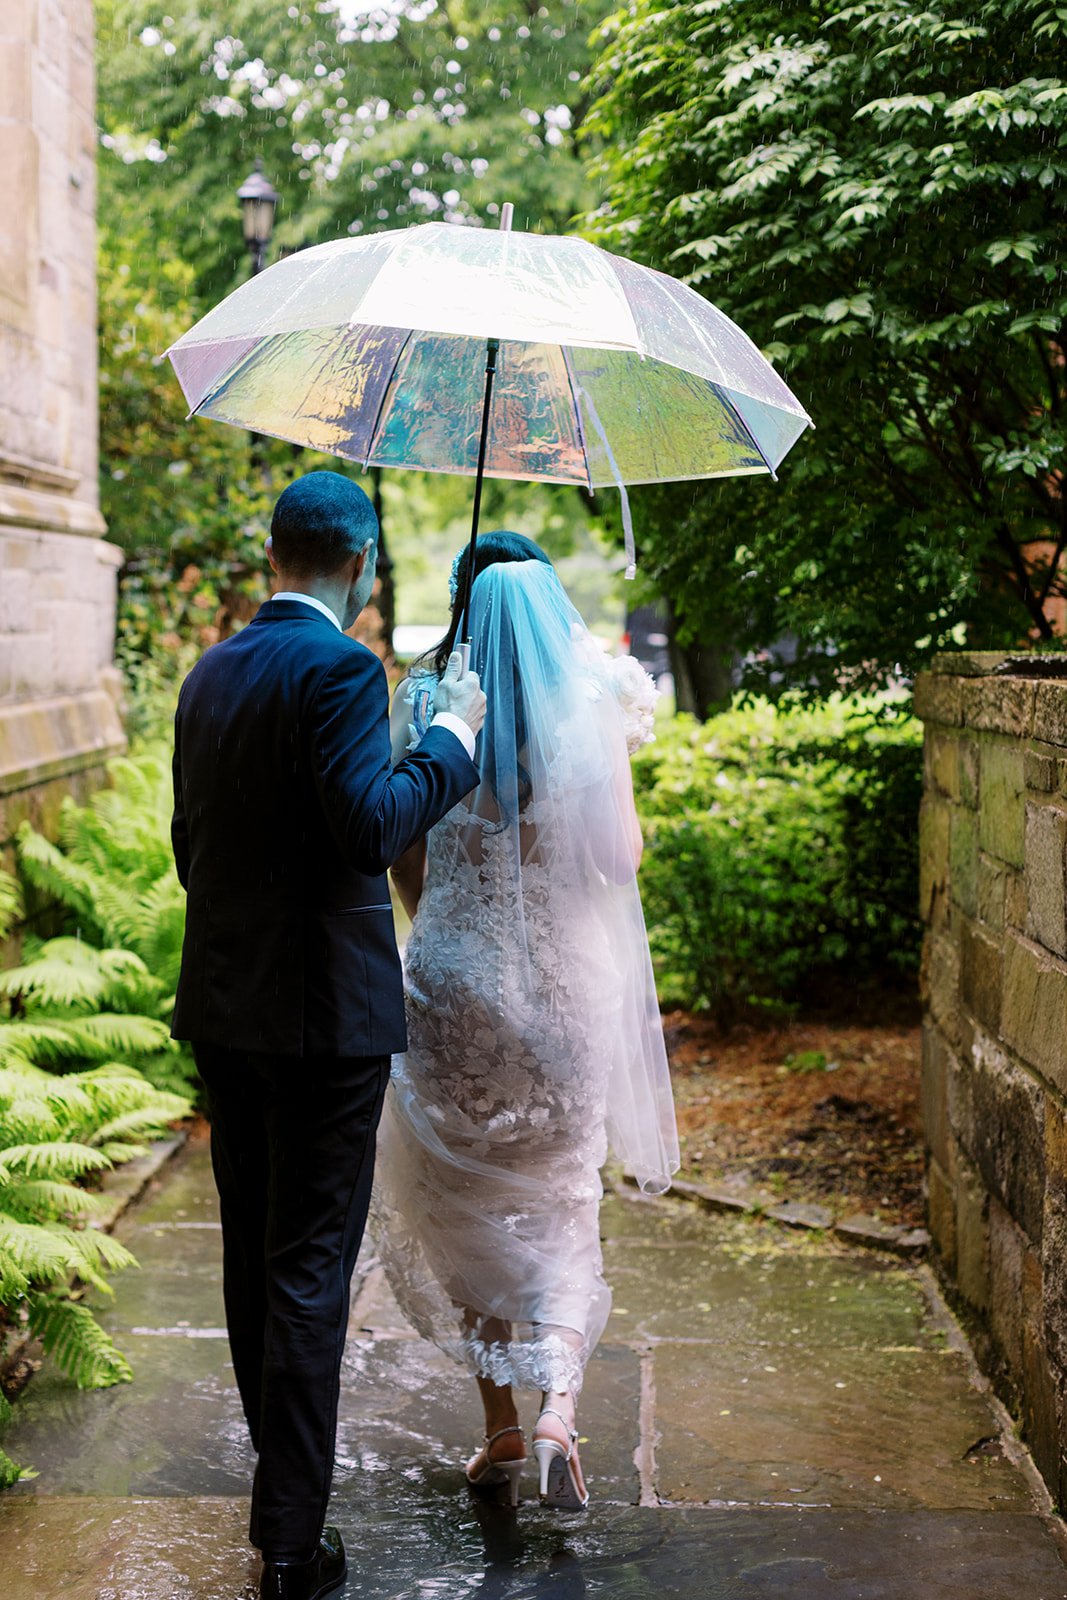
x=627, y=520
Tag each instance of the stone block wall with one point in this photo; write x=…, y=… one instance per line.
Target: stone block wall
x=994, y=894
x=58, y=688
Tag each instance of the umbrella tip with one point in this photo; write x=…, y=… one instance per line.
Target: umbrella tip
x=507, y=211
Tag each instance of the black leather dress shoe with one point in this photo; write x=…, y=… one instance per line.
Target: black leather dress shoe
x=307, y=1580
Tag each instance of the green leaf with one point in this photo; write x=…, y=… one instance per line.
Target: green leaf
x=76, y=1342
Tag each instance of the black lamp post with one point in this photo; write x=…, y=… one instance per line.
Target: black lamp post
x=258, y=200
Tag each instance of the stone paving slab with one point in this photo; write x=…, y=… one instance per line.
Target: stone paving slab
x=183, y=1193
x=177, y=1429
x=375, y=1313
x=141, y=1488
x=175, y=1284
x=406, y=1408
x=894, y=1430
x=89, y=1549
x=741, y=1285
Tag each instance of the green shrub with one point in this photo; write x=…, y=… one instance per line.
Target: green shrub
x=781, y=853
x=115, y=973
x=58, y=1132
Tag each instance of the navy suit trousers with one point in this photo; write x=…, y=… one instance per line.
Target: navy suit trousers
x=292, y=1145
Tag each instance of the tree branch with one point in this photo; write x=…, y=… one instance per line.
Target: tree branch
x=1055, y=392
x=1006, y=540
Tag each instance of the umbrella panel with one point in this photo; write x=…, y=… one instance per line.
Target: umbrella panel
x=385, y=397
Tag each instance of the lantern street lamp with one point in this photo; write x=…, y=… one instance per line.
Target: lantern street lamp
x=258, y=200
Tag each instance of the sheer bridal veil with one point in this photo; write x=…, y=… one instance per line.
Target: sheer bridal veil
x=554, y=811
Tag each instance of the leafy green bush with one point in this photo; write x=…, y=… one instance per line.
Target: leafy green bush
x=112, y=979
x=58, y=1132
x=781, y=852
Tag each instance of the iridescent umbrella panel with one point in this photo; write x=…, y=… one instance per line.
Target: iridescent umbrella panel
x=374, y=349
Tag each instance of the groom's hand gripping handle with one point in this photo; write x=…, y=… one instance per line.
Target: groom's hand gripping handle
x=460, y=693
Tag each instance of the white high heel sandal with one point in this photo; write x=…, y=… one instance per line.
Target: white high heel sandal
x=559, y=1482
x=494, y=1472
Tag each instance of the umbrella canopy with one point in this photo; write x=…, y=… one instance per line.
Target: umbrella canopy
x=374, y=349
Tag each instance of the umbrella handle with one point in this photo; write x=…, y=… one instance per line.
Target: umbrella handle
x=464, y=652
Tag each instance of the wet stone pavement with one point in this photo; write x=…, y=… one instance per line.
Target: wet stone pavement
x=770, y=1414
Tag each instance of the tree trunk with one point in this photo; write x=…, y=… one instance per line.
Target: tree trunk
x=703, y=679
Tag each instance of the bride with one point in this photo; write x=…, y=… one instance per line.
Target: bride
x=535, y=1043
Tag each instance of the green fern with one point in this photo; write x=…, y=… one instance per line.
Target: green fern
x=88, y=1071
x=70, y=974
x=113, y=856
x=75, y=1340
x=112, y=877
x=56, y=1135
x=10, y=904
x=57, y=1159
x=10, y=1471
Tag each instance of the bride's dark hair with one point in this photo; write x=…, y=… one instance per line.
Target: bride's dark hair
x=500, y=545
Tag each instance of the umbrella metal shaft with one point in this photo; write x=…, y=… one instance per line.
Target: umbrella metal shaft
x=492, y=346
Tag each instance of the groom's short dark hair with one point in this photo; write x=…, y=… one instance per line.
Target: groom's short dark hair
x=321, y=521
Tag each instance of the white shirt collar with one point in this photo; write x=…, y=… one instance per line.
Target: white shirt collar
x=310, y=600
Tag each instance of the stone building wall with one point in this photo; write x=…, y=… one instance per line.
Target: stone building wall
x=994, y=894
x=58, y=688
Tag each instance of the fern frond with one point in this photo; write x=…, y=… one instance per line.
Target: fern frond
x=31, y=1199
x=173, y=1073
x=33, y=1039
x=97, y=1251
x=77, y=1343
x=32, y=1253
x=122, y=1033
x=49, y=870
x=10, y=903
x=144, y=1123
x=60, y=1159
x=68, y=973
x=115, y=1088
x=11, y=1472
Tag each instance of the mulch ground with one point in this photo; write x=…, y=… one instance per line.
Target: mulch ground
x=811, y=1111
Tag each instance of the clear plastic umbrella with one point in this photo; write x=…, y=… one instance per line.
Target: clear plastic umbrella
x=512, y=355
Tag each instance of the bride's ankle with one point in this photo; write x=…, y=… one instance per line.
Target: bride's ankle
x=562, y=1402
x=505, y=1442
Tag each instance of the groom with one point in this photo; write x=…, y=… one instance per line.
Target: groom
x=286, y=816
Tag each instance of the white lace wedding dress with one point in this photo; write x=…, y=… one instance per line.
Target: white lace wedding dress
x=534, y=1043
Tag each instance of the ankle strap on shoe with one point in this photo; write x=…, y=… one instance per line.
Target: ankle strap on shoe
x=549, y=1411
x=491, y=1439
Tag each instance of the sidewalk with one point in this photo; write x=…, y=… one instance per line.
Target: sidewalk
x=769, y=1415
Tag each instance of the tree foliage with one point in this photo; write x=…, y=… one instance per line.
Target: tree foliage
x=365, y=117
x=875, y=192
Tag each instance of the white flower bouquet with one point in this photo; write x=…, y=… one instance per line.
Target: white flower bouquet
x=637, y=694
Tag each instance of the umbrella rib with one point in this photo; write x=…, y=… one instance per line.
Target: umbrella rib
x=721, y=390
x=231, y=372
x=577, y=416
x=381, y=403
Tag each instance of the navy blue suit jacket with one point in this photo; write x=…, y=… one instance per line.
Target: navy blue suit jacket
x=287, y=814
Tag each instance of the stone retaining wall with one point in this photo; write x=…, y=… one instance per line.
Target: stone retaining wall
x=994, y=897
